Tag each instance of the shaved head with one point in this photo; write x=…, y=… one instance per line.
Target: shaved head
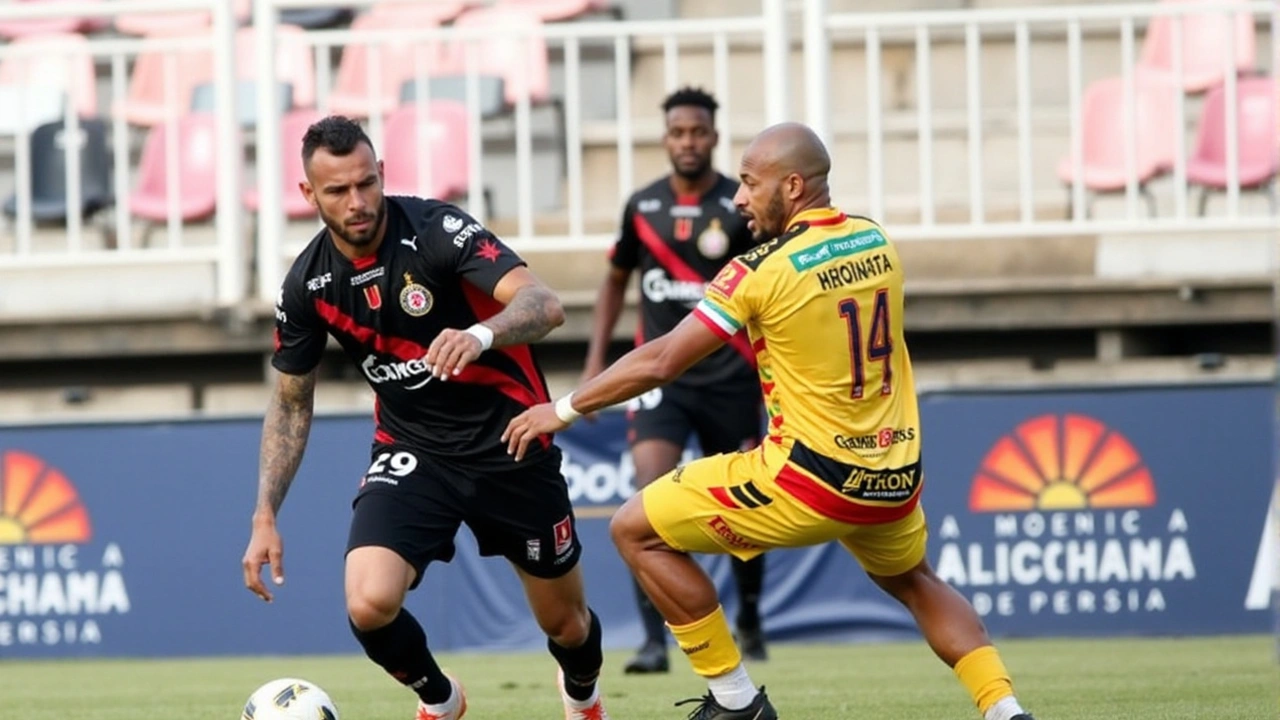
x=784, y=172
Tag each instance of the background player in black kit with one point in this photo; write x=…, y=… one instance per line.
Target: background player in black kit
x=678, y=232
x=438, y=314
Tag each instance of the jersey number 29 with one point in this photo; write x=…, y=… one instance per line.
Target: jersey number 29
x=877, y=345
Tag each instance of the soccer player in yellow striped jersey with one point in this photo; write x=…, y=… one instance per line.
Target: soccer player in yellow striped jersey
x=821, y=299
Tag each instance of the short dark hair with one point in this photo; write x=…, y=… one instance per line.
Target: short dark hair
x=691, y=96
x=337, y=134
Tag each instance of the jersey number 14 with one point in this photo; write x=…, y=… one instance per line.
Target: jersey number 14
x=875, y=346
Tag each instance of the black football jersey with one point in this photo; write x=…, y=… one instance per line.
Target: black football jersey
x=435, y=269
x=678, y=244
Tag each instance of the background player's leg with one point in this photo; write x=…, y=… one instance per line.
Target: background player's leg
x=748, y=576
x=572, y=628
x=377, y=579
x=653, y=458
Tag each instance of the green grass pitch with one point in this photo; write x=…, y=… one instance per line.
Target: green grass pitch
x=1229, y=678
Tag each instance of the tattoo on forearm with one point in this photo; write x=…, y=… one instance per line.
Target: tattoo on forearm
x=284, y=437
x=532, y=313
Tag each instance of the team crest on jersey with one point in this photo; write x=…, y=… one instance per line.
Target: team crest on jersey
x=714, y=241
x=452, y=223
x=415, y=299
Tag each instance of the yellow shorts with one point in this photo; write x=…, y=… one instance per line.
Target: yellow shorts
x=731, y=504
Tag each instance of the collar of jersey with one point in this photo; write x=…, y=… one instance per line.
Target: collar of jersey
x=818, y=216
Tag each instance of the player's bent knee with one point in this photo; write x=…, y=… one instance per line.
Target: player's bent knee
x=370, y=612
x=630, y=527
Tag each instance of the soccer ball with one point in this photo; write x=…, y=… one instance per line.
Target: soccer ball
x=289, y=699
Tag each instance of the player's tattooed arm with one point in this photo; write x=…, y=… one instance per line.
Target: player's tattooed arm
x=284, y=437
x=533, y=311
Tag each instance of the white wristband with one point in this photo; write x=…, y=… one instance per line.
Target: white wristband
x=482, y=333
x=565, y=411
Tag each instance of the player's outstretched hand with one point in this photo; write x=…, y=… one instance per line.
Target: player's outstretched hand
x=265, y=548
x=451, y=351
x=528, y=425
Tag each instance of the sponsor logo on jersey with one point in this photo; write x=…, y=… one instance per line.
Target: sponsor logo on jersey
x=451, y=223
x=885, y=438
x=657, y=287
x=318, y=282
x=829, y=250
x=368, y=275
x=649, y=205
x=686, y=211
x=412, y=243
x=462, y=237
x=415, y=299
x=379, y=373
x=714, y=241
x=720, y=527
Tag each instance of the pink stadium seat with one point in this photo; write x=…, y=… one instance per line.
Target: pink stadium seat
x=175, y=23
x=66, y=65
x=352, y=95
x=1103, y=162
x=295, y=61
x=556, y=10
x=148, y=101
x=1204, y=37
x=519, y=62
x=1257, y=159
x=421, y=12
x=292, y=127
x=446, y=132
x=197, y=163
x=52, y=26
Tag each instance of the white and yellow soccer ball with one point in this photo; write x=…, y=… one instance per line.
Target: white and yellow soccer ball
x=289, y=699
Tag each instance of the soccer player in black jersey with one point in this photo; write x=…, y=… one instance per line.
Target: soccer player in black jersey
x=437, y=313
x=677, y=233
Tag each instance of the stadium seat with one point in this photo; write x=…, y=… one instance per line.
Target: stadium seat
x=1103, y=157
x=50, y=26
x=197, y=165
x=352, y=95
x=292, y=127
x=421, y=12
x=25, y=107
x=1256, y=122
x=59, y=63
x=148, y=101
x=295, y=61
x=1203, y=38
x=202, y=100
x=558, y=10
x=49, y=176
x=447, y=136
x=175, y=23
x=520, y=62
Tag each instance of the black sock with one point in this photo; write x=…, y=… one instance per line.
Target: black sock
x=581, y=665
x=655, y=628
x=749, y=577
x=401, y=649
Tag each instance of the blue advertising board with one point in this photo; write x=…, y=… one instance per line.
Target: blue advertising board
x=1065, y=513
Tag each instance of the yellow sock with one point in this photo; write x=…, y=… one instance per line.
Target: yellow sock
x=709, y=644
x=985, y=677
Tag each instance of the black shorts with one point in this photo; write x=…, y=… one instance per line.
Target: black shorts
x=413, y=503
x=725, y=420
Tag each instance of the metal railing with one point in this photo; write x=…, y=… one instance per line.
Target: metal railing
x=115, y=54
x=837, y=49
x=921, y=32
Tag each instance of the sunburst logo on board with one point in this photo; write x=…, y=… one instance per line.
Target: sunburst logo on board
x=38, y=504
x=1061, y=462
x=1063, y=520
x=54, y=584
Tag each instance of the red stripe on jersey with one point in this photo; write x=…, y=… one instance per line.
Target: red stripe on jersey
x=722, y=496
x=822, y=500
x=680, y=270
x=758, y=345
x=712, y=326
x=380, y=435
x=831, y=220
x=486, y=307
x=688, y=199
x=362, y=263
x=410, y=350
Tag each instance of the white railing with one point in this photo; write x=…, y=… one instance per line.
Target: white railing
x=1031, y=28
x=766, y=29
x=227, y=250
